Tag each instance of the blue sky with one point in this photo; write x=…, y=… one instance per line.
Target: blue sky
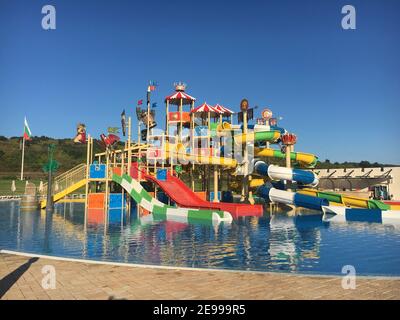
x=338, y=90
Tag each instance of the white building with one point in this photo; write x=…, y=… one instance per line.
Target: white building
x=374, y=182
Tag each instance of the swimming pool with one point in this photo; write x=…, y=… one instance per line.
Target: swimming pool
x=281, y=243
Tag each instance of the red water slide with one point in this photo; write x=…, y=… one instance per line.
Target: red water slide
x=183, y=196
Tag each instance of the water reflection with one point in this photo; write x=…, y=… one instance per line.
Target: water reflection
x=277, y=242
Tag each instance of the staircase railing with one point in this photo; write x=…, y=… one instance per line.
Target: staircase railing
x=66, y=179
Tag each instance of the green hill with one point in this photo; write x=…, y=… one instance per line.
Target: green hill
x=67, y=153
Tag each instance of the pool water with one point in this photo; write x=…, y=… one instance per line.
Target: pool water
x=281, y=243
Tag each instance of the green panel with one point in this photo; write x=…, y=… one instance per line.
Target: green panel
x=127, y=178
x=116, y=178
x=376, y=204
x=145, y=195
x=265, y=136
x=279, y=154
x=199, y=216
x=159, y=213
x=332, y=197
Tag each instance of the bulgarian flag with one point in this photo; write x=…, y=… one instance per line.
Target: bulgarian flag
x=27, y=131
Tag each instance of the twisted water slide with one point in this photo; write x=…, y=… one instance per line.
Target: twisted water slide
x=287, y=197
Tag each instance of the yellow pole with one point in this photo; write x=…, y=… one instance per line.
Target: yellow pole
x=246, y=168
x=192, y=137
x=209, y=133
x=107, y=185
x=288, y=156
x=129, y=145
x=180, y=118
x=139, y=151
x=167, y=122
x=129, y=160
x=87, y=175
x=122, y=173
x=216, y=184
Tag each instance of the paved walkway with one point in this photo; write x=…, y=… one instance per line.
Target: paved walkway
x=21, y=278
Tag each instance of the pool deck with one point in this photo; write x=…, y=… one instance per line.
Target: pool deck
x=21, y=278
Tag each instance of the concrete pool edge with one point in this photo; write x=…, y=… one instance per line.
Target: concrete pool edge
x=150, y=266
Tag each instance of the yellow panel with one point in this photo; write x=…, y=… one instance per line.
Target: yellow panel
x=355, y=202
x=264, y=152
x=254, y=183
x=305, y=157
x=308, y=192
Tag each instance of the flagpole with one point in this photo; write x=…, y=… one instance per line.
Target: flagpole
x=23, y=156
x=148, y=125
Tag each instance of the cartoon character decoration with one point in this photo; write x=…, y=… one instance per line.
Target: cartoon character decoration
x=80, y=133
x=244, y=105
x=142, y=116
x=110, y=140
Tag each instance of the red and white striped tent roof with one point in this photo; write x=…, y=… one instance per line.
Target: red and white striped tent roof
x=223, y=109
x=205, y=108
x=177, y=96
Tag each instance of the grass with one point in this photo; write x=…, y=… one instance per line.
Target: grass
x=5, y=186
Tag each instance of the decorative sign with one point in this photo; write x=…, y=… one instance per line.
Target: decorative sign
x=244, y=105
x=273, y=122
x=266, y=114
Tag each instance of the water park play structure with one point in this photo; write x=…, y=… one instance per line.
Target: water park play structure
x=215, y=156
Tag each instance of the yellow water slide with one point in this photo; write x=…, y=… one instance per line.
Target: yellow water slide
x=349, y=201
x=305, y=159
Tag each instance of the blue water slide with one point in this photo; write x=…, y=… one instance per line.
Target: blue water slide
x=291, y=198
x=280, y=173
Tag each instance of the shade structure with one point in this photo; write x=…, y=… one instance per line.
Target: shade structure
x=178, y=96
x=223, y=109
x=205, y=108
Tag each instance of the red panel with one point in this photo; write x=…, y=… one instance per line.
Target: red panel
x=134, y=170
x=95, y=216
x=176, y=117
x=96, y=200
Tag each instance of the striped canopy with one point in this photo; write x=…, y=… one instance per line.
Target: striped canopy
x=177, y=96
x=223, y=110
x=205, y=108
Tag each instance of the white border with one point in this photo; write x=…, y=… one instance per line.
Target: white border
x=149, y=266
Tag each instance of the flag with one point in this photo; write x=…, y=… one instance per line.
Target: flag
x=140, y=102
x=152, y=86
x=123, y=122
x=154, y=105
x=113, y=130
x=27, y=131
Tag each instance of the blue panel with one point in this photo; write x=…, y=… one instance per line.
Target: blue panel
x=261, y=168
x=212, y=195
x=305, y=177
x=161, y=196
x=275, y=128
x=162, y=174
x=97, y=171
x=280, y=185
x=115, y=201
x=227, y=196
x=116, y=215
x=201, y=131
x=367, y=215
x=263, y=192
x=309, y=202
